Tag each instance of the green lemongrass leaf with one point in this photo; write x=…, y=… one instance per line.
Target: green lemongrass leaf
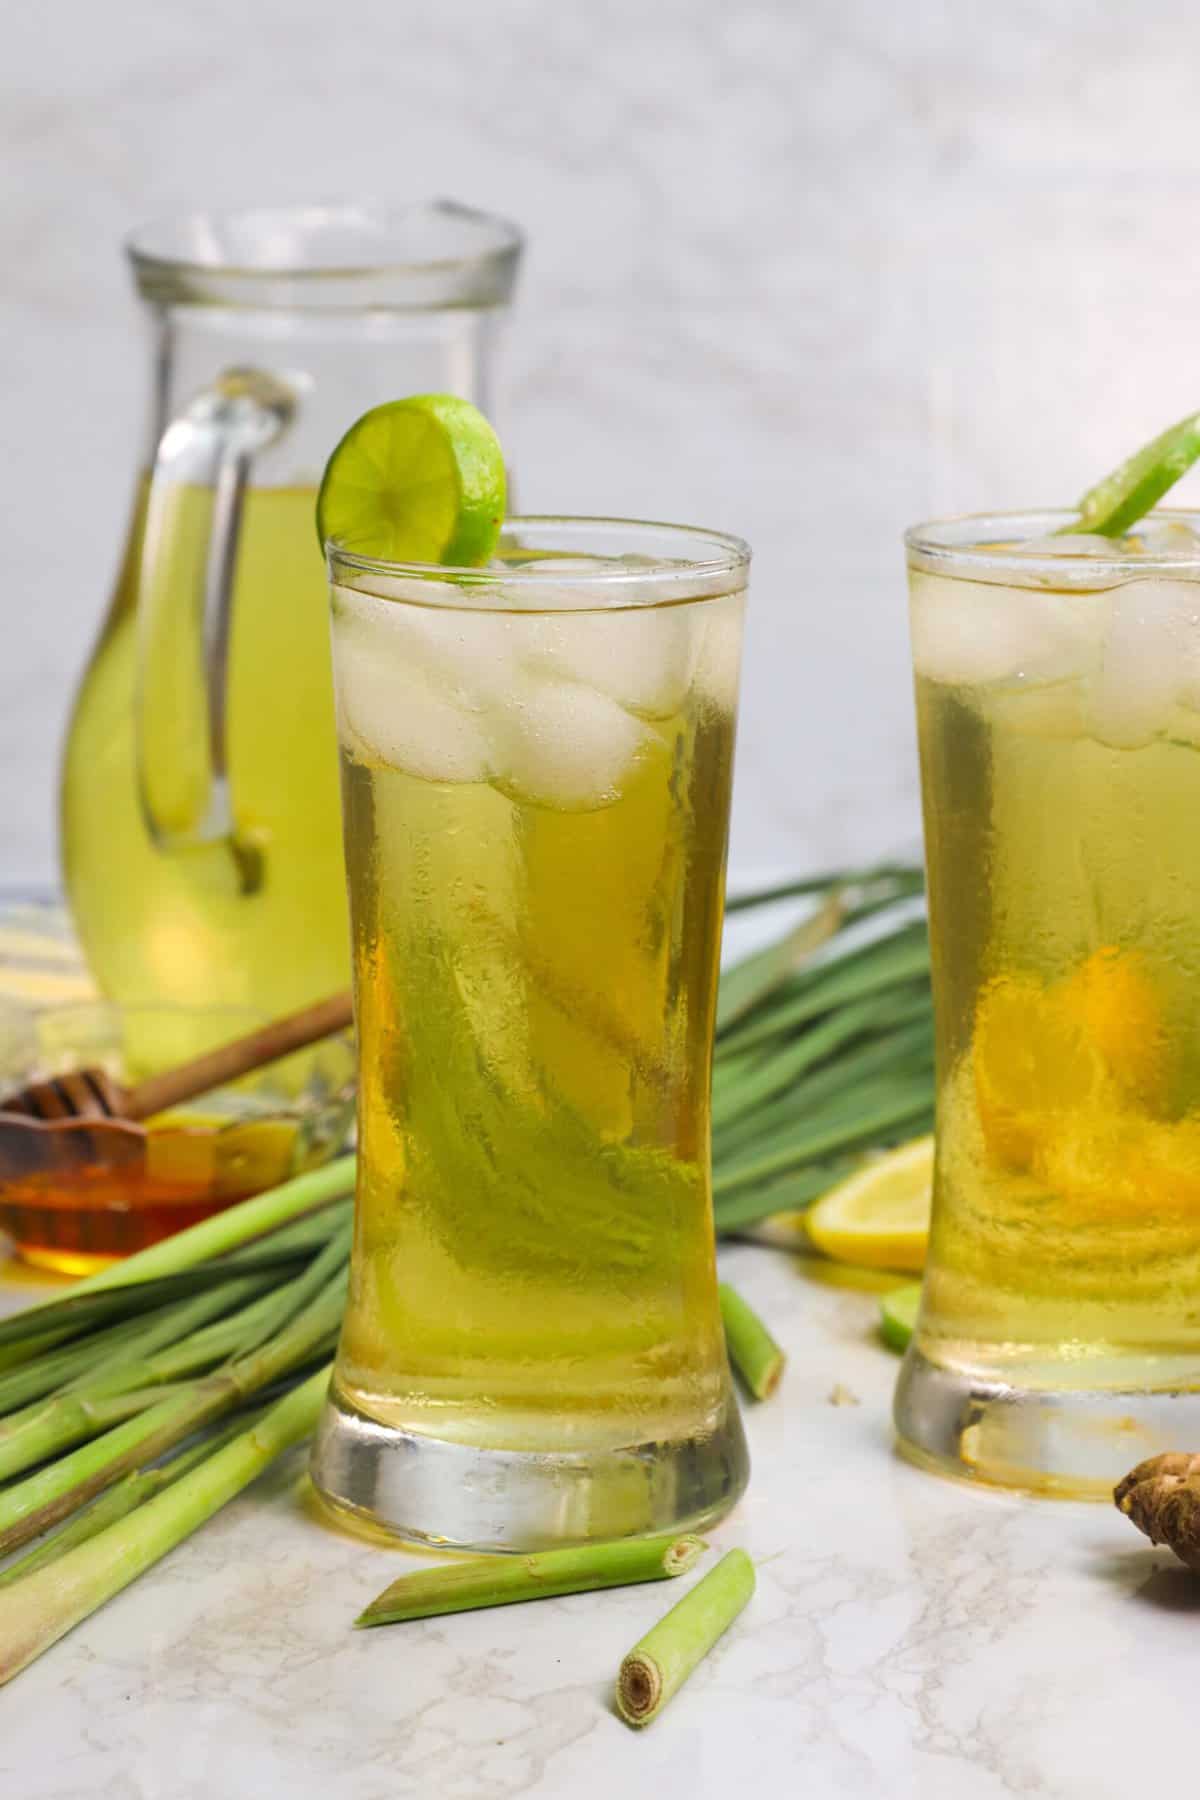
x=1139, y=483
x=748, y=982
x=253, y=1325
x=903, y=1055
x=775, y=1123
x=790, y=1193
x=778, y=1072
x=31, y=1506
x=58, y=1367
x=872, y=969
x=876, y=1118
x=907, y=878
x=117, y=1502
x=841, y=1112
x=39, y=1609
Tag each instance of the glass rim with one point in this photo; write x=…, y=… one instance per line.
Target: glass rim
x=721, y=570
x=166, y=264
x=954, y=545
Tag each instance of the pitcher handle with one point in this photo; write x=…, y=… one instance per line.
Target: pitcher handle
x=185, y=610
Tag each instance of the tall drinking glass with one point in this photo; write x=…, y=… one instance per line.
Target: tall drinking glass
x=1058, y=700
x=536, y=764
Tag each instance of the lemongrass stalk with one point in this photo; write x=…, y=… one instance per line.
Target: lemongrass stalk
x=791, y=1193
x=118, y=1501
x=755, y=1355
x=504, y=1580
x=70, y=1418
x=748, y=983
x=224, y=1231
x=45, y=1605
x=899, y=1055
x=83, y=1412
x=884, y=963
x=868, y=1123
x=776, y=1073
x=58, y=1367
x=659, y=1664
x=13, y=1355
x=907, y=878
x=244, y=1331
x=32, y=1506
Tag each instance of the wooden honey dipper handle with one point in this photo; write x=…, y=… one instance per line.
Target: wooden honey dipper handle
x=254, y=1051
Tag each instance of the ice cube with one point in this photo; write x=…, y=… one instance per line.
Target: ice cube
x=465, y=654
x=563, y=745
x=1069, y=544
x=1173, y=539
x=719, y=665
x=964, y=633
x=641, y=658
x=1149, y=660
x=390, y=710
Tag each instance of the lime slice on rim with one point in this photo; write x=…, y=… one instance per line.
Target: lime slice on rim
x=417, y=480
x=1140, y=482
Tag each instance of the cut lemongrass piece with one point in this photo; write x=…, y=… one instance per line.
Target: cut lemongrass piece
x=657, y=1666
x=1140, y=482
x=753, y=1352
x=505, y=1580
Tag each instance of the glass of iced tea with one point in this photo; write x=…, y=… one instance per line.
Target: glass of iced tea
x=536, y=764
x=1058, y=701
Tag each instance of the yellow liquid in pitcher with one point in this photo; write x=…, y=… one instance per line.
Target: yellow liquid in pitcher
x=183, y=925
x=535, y=973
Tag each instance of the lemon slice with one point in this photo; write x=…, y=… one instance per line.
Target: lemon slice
x=879, y=1217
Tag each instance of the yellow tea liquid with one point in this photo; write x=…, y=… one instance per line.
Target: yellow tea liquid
x=535, y=820
x=1061, y=792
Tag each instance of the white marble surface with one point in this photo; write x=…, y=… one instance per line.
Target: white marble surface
x=807, y=271
x=908, y=1638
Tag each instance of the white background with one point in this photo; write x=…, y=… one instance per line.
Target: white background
x=805, y=269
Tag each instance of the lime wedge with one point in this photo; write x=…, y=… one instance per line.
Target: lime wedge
x=898, y=1315
x=417, y=480
x=1128, y=494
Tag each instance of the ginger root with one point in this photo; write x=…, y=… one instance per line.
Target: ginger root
x=1162, y=1497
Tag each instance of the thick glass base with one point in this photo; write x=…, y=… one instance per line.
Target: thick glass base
x=1071, y=1442
x=453, y=1496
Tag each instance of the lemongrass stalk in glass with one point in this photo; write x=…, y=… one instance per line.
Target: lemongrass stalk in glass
x=536, y=765
x=1058, y=701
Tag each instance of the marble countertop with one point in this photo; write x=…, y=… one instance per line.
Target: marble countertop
x=908, y=1637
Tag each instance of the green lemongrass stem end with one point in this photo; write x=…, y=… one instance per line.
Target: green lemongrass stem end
x=898, y=1311
x=224, y=1231
x=45, y=1605
x=753, y=1352
x=505, y=1580
x=657, y=1666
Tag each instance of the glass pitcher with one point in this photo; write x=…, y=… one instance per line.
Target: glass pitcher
x=201, y=841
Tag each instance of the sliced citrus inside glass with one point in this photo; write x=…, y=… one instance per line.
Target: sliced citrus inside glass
x=419, y=480
x=1033, y=1059
x=879, y=1216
